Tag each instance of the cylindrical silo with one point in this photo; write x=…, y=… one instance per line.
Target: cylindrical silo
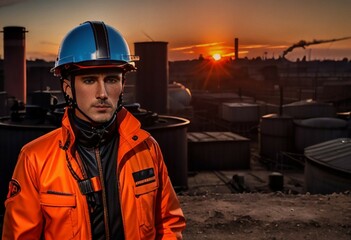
x=240, y=112
x=171, y=134
x=3, y=104
x=152, y=76
x=15, y=62
x=12, y=138
x=316, y=130
x=309, y=109
x=275, y=135
x=327, y=167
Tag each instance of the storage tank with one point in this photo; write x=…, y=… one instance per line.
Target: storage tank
x=218, y=151
x=240, y=112
x=328, y=167
x=309, y=109
x=265, y=108
x=12, y=137
x=171, y=134
x=275, y=135
x=316, y=130
x=3, y=104
x=179, y=97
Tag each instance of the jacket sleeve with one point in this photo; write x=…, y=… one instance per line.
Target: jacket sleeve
x=22, y=219
x=170, y=221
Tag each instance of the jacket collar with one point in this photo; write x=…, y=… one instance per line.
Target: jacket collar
x=129, y=129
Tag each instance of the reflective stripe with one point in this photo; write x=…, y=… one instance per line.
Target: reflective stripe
x=101, y=40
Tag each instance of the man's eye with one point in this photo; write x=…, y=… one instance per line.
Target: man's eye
x=88, y=81
x=113, y=79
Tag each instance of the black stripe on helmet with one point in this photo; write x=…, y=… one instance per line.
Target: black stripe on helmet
x=101, y=40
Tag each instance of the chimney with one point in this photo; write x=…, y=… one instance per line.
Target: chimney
x=152, y=76
x=236, y=49
x=15, y=82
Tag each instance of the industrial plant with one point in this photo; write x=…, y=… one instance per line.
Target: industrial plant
x=249, y=122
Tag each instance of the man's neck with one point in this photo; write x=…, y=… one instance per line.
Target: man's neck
x=92, y=135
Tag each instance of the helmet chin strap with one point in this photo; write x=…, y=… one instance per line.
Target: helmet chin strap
x=72, y=102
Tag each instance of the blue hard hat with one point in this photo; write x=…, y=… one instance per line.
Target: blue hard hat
x=93, y=44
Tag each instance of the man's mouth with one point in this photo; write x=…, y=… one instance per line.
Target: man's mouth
x=102, y=107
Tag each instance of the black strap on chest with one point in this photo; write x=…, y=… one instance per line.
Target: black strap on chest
x=90, y=185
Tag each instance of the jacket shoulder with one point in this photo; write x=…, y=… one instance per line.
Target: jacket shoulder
x=43, y=141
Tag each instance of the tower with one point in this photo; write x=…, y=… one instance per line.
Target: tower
x=15, y=80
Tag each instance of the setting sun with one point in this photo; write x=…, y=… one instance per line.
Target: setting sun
x=217, y=56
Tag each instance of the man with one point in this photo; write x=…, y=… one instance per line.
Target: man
x=99, y=176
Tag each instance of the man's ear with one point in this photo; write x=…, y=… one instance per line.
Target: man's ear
x=123, y=82
x=66, y=86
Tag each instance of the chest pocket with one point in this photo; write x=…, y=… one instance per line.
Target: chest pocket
x=146, y=184
x=145, y=193
x=60, y=212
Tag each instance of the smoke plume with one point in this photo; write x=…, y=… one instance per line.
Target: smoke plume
x=304, y=43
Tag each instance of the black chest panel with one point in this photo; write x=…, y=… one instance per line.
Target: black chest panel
x=98, y=148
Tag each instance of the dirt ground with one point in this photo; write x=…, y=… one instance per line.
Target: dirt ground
x=267, y=216
x=214, y=209
x=213, y=212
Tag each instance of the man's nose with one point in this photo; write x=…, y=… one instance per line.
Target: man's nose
x=101, y=92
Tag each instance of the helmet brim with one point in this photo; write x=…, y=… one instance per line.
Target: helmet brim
x=95, y=64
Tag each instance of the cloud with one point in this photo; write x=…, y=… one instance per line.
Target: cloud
x=41, y=55
x=231, y=54
x=254, y=46
x=4, y=3
x=203, y=45
x=277, y=47
x=208, y=49
x=48, y=43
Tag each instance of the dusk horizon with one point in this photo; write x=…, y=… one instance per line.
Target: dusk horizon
x=193, y=28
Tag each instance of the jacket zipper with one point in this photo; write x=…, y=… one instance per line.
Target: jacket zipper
x=104, y=200
x=119, y=192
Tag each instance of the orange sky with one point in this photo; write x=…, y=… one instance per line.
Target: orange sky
x=191, y=27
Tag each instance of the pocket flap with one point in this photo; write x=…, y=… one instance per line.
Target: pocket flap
x=146, y=188
x=57, y=200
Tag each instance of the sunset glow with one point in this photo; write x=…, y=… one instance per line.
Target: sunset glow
x=216, y=56
x=260, y=34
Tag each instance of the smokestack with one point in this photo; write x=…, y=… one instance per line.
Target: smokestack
x=15, y=82
x=236, y=49
x=152, y=76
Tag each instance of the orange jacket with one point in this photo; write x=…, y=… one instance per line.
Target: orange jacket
x=44, y=199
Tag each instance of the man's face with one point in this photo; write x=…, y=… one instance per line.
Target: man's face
x=97, y=94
